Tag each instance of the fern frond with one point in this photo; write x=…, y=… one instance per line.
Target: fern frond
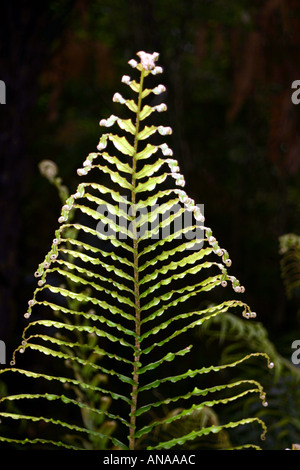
x=112, y=312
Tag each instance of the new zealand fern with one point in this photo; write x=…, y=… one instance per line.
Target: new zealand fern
x=108, y=341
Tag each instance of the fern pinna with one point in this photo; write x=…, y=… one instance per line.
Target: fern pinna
x=115, y=307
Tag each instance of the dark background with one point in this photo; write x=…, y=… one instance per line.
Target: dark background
x=228, y=67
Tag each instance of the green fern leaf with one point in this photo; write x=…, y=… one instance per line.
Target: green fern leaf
x=113, y=310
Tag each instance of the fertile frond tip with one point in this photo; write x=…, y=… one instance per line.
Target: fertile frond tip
x=147, y=61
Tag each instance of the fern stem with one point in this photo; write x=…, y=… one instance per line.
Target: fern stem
x=137, y=352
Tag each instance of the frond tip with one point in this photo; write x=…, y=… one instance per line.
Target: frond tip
x=113, y=310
